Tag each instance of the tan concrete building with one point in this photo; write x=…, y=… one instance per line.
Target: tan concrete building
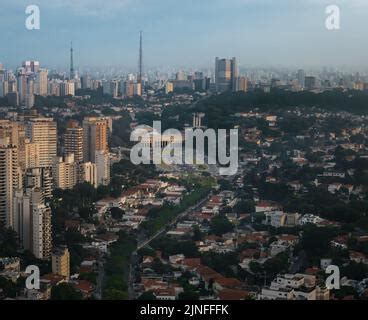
x=95, y=137
x=73, y=140
x=65, y=172
x=61, y=262
x=43, y=131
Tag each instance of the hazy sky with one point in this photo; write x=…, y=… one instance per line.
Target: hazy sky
x=185, y=32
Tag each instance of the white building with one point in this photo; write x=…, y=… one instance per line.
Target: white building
x=310, y=218
x=88, y=173
x=102, y=161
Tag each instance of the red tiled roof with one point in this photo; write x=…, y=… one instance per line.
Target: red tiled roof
x=191, y=262
x=84, y=286
x=228, y=282
x=207, y=273
x=288, y=237
x=54, y=279
x=232, y=294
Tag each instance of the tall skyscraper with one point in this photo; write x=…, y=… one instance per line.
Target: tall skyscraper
x=86, y=82
x=10, y=180
x=43, y=131
x=95, y=137
x=30, y=93
x=301, y=77
x=226, y=73
x=42, y=82
x=73, y=140
x=22, y=213
x=22, y=85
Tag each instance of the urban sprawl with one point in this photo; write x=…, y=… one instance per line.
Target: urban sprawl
x=99, y=227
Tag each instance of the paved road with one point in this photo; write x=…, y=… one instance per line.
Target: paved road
x=180, y=216
x=134, y=257
x=100, y=279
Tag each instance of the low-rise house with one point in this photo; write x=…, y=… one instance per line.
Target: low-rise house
x=279, y=246
x=309, y=218
x=289, y=238
x=207, y=275
x=358, y=257
x=334, y=187
x=53, y=279
x=10, y=268
x=175, y=259
x=189, y=264
x=266, y=206
x=290, y=287
x=85, y=287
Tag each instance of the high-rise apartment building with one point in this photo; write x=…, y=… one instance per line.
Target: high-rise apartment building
x=22, y=85
x=73, y=141
x=87, y=172
x=10, y=129
x=95, y=137
x=15, y=131
x=30, y=93
x=40, y=178
x=41, y=232
x=103, y=167
x=32, y=216
x=42, y=82
x=226, y=73
x=31, y=154
x=67, y=88
x=31, y=66
x=65, y=172
x=43, y=131
x=10, y=180
x=310, y=83
x=86, y=82
x=301, y=77
x=241, y=84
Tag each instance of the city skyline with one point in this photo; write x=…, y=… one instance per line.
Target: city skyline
x=189, y=33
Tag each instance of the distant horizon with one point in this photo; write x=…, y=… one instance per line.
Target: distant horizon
x=363, y=69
